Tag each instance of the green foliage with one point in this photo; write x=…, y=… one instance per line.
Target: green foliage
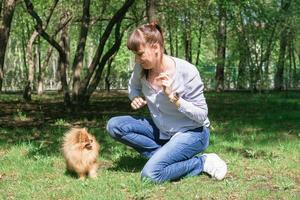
x=60, y=122
x=19, y=115
x=253, y=29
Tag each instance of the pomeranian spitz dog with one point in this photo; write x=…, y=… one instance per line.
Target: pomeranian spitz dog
x=81, y=150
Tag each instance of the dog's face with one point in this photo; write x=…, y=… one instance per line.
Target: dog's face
x=84, y=139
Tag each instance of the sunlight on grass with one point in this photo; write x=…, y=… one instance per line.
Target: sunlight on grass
x=261, y=147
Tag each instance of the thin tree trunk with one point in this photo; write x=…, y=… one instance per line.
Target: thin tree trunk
x=187, y=37
x=221, y=48
x=199, y=43
x=31, y=67
x=24, y=51
x=7, y=12
x=79, y=55
x=40, y=86
x=107, y=79
x=43, y=67
x=64, y=63
x=150, y=10
x=170, y=38
x=244, y=54
x=290, y=69
x=279, y=82
x=294, y=67
x=267, y=55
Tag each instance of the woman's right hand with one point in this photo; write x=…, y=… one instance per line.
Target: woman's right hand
x=138, y=102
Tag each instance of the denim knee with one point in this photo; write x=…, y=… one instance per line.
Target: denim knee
x=113, y=126
x=149, y=174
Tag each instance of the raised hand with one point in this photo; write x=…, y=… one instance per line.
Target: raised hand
x=166, y=83
x=138, y=102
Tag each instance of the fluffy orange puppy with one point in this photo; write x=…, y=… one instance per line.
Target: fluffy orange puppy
x=81, y=150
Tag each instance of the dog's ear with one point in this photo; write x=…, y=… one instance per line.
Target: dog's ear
x=84, y=136
x=78, y=136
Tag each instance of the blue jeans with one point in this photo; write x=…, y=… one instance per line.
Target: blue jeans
x=168, y=159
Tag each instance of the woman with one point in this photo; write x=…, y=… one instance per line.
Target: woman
x=173, y=91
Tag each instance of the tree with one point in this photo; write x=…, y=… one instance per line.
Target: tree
x=93, y=76
x=79, y=54
x=151, y=10
x=88, y=85
x=7, y=11
x=63, y=62
x=279, y=85
x=221, y=46
x=30, y=60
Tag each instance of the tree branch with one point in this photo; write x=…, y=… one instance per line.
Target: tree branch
x=118, y=16
x=40, y=29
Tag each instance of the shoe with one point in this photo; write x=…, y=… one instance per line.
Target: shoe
x=214, y=166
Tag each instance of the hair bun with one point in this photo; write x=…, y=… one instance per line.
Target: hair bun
x=153, y=23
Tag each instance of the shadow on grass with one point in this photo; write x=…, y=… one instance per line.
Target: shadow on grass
x=71, y=174
x=129, y=164
x=262, y=119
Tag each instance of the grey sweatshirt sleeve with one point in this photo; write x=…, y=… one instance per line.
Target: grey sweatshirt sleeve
x=134, y=85
x=192, y=102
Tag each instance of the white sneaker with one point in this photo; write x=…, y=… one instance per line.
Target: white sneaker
x=215, y=166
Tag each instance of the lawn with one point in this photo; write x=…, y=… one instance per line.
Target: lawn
x=258, y=135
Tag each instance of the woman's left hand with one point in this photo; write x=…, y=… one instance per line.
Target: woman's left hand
x=166, y=83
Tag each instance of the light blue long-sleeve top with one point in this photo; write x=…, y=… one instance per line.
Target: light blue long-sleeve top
x=169, y=119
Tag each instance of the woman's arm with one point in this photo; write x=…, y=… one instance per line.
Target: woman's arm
x=134, y=85
x=192, y=102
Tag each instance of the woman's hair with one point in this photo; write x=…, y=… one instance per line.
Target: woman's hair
x=145, y=34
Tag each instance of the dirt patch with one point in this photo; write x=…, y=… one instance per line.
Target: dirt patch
x=251, y=153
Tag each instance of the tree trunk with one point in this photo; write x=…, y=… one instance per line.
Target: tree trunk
x=279, y=83
x=267, y=55
x=187, y=37
x=199, y=43
x=150, y=10
x=221, y=48
x=40, y=86
x=95, y=68
x=79, y=55
x=24, y=51
x=31, y=64
x=176, y=42
x=94, y=83
x=64, y=63
x=170, y=38
x=7, y=11
x=109, y=65
x=294, y=67
x=31, y=67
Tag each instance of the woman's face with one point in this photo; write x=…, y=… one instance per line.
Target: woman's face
x=148, y=56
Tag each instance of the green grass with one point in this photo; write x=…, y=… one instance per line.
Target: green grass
x=257, y=134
